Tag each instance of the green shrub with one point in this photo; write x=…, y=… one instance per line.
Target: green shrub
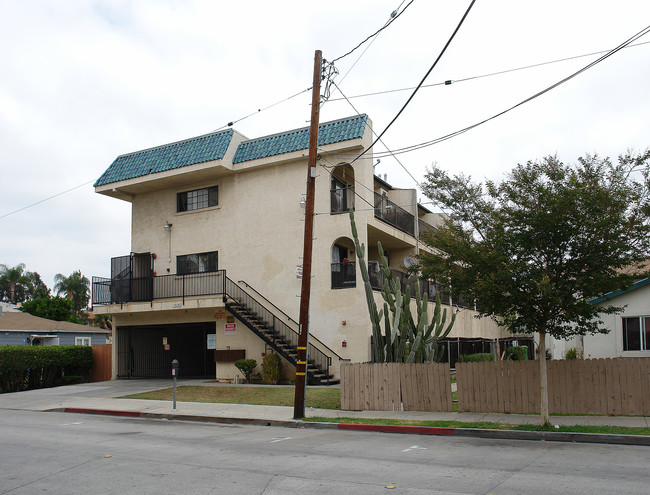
x=517, y=353
x=30, y=367
x=271, y=368
x=572, y=354
x=476, y=358
x=246, y=366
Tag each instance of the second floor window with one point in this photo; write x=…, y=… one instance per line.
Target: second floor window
x=197, y=199
x=196, y=263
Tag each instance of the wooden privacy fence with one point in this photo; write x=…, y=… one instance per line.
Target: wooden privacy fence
x=102, y=369
x=395, y=387
x=590, y=386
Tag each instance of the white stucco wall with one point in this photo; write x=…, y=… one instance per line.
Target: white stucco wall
x=610, y=345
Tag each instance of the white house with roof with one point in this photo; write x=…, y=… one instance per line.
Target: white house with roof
x=216, y=245
x=629, y=331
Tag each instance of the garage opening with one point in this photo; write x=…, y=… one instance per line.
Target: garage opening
x=148, y=351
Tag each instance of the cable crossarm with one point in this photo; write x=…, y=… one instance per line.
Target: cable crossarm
x=444, y=49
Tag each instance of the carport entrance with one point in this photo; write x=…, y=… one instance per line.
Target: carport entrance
x=142, y=352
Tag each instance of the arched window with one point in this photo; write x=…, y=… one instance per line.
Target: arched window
x=344, y=270
x=342, y=188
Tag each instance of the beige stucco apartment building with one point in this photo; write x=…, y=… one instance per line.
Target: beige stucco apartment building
x=217, y=239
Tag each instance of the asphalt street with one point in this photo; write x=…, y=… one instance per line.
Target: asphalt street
x=63, y=453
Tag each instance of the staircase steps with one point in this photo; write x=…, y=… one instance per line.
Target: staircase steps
x=271, y=337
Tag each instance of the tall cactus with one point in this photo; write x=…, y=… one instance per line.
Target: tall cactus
x=404, y=338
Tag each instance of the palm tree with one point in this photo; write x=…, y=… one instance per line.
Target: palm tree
x=13, y=277
x=76, y=287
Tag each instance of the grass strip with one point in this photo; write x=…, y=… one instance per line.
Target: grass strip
x=487, y=425
x=321, y=398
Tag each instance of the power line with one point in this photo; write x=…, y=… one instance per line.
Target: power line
x=425, y=76
x=233, y=122
x=425, y=144
x=490, y=74
x=381, y=141
x=393, y=16
x=46, y=199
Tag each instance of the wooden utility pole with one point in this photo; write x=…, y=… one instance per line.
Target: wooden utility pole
x=303, y=321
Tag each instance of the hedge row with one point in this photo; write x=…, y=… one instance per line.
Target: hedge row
x=30, y=367
x=476, y=358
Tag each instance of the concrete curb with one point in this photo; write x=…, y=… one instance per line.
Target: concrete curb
x=550, y=436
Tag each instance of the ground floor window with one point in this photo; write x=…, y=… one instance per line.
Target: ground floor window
x=82, y=341
x=636, y=333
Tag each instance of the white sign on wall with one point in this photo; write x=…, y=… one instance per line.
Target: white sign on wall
x=212, y=341
x=231, y=328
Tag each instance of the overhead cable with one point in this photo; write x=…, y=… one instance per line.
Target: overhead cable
x=394, y=15
x=490, y=74
x=425, y=144
x=424, y=78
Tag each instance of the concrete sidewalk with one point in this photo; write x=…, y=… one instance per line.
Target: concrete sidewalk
x=101, y=398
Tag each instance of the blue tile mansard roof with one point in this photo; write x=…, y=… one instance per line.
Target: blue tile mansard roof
x=213, y=147
x=298, y=139
x=168, y=157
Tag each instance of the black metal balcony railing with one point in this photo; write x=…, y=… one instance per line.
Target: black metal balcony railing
x=430, y=289
x=424, y=227
x=107, y=291
x=344, y=275
x=395, y=215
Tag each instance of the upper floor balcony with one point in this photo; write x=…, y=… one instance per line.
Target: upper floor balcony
x=398, y=217
x=125, y=289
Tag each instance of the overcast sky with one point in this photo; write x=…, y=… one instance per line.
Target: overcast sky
x=82, y=82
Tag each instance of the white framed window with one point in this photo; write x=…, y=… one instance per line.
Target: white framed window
x=82, y=341
x=636, y=333
x=197, y=199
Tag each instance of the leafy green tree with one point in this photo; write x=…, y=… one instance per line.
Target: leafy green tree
x=76, y=287
x=534, y=249
x=36, y=288
x=13, y=280
x=52, y=308
x=18, y=285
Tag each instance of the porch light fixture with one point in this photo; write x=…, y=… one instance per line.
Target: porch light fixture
x=303, y=202
x=168, y=226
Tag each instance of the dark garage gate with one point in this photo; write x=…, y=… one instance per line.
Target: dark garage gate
x=142, y=354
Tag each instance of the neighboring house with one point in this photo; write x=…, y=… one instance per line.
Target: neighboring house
x=18, y=328
x=215, y=266
x=629, y=332
x=6, y=307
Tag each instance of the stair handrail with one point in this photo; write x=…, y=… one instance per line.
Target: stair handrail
x=312, y=337
x=316, y=357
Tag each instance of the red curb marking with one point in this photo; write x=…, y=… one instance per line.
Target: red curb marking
x=106, y=412
x=420, y=430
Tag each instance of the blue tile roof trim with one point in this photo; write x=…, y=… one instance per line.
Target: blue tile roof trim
x=168, y=157
x=286, y=142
